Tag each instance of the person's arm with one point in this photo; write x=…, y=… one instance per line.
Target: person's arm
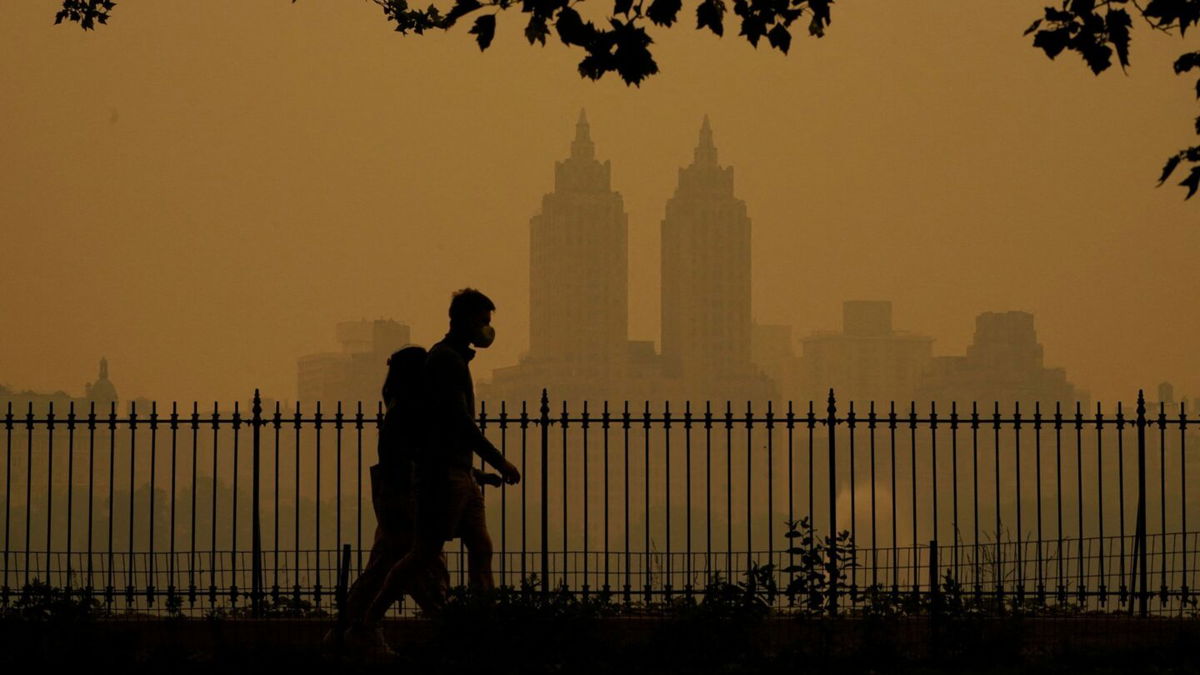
x=446, y=376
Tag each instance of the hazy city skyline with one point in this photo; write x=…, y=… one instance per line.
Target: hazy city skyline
x=226, y=208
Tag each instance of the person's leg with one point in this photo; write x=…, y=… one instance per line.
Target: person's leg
x=407, y=575
x=474, y=532
x=386, y=550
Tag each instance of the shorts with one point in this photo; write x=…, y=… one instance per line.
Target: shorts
x=449, y=505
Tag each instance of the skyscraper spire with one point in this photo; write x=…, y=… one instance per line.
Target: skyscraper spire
x=706, y=152
x=582, y=147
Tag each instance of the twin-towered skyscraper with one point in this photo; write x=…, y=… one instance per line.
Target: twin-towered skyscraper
x=579, y=290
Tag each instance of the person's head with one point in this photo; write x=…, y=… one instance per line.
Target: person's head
x=404, y=370
x=471, y=317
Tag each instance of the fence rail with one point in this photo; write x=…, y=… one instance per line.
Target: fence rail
x=199, y=511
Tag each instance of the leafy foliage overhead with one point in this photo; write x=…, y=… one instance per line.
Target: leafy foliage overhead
x=1097, y=30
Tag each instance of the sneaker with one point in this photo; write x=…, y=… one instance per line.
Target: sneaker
x=368, y=641
x=331, y=641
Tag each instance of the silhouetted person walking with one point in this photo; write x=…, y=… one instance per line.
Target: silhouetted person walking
x=393, y=499
x=449, y=499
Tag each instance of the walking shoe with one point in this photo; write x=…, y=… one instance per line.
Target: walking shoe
x=331, y=641
x=368, y=642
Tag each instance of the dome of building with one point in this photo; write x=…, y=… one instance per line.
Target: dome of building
x=102, y=391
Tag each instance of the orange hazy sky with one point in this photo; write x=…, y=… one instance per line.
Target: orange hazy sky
x=200, y=191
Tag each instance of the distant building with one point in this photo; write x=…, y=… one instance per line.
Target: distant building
x=1003, y=364
x=706, y=324
x=356, y=372
x=579, y=344
x=771, y=352
x=102, y=393
x=579, y=295
x=867, y=361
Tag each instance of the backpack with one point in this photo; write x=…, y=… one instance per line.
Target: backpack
x=402, y=429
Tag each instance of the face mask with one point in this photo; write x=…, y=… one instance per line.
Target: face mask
x=487, y=335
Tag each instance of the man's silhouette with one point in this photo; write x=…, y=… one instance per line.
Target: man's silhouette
x=449, y=500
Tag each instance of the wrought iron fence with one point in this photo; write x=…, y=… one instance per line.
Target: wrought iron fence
x=194, y=512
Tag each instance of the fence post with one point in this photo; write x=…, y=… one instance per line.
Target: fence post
x=256, y=536
x=830, y=425
x=544, y=422
x=1140, y=543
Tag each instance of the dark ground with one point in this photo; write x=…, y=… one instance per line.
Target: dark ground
x=623, y=645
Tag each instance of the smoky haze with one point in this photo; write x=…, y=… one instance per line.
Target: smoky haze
x=202, y=195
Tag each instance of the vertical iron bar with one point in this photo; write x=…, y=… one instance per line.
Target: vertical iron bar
x=687, y=452
x=8, y=427
x=998, y=563
x=1184, y=594
x=49, y=486
x=895, y=519
x=171, y=585
x=70, y=489
x=1140, y=543
x=150, y=517
x=338, y=420
x=625, y=424
x=565, y=514
x=1100, y=502
x=728, y=485
x=1124, y=589
x=975, y=497
x=256, y=535
x=667, y=498
x=1081, y=589
x=604, y=424
x=317, y=509
x=358, y=482
x=91, y=498
x=544, y=423
x=912, y=465
x=956, y=539
x=749, y=487
x=646, y=498
x=586, y=523
x=1020, y=552
x=708, y=486
x=1037, y=451
x=850, y=424
x=871, y=421
x=131, y=570
x=1062, y=583
x=192, y=533
x=831, y=424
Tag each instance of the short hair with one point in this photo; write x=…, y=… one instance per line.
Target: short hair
x=468, y=302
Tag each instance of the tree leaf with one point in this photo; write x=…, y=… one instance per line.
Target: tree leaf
x=622, y=7
x=1192, y=182
x=570, y=27
x=1117, y=24
x=1186, y=62
x=1051, y=41
x=780, y=38
x=663, y=12
x=537, y=30
x=484, y=30
x=753, y=27
x=1034, y=26
x=711, y=14
x=1169, y=168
